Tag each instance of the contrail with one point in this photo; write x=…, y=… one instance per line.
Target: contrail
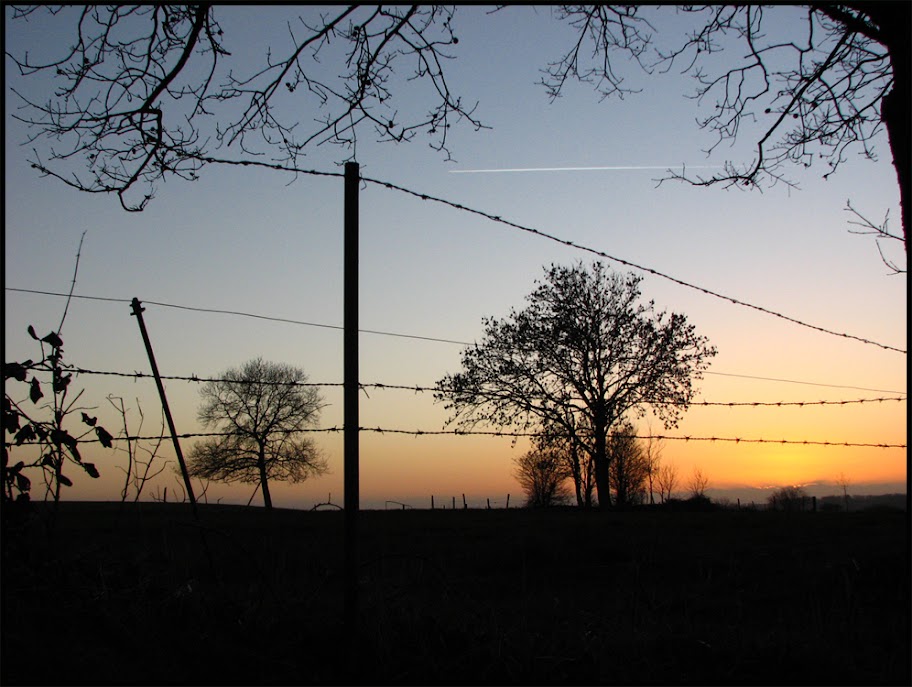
x=578, y=169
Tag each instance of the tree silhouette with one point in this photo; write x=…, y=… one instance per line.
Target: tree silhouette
x=144, y=92
x=542, y=473
x=843, y=481
x=698, y=483
x=259, y=407
x=789, y=499
x=147, y=92
x=804, y=83
x=666, y=481
x=628, y=465
x=581, y=356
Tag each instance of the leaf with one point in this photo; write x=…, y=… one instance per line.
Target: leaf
x=10, y=420
x=61, y=383
x=53, y=340
x=64, y=480
x=61, y=436
x=23, y=483
x=25, y=434
x=31, y=331
x=90, y=421
x=15, y=370
x=104, y=437
x=90, y=468
x=35, y=392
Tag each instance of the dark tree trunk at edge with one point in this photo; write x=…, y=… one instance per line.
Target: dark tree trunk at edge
x=893, y=19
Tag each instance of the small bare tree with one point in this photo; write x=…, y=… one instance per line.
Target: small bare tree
x=652, y=458
x=698, y=483
x=543, y=473
x=140, y=457
x=667, y=480
x=843, y=481
x=627, y=465
x=789, y=499
x=259, y=408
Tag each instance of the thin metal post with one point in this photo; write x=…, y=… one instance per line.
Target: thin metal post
x=350, y=407
x=138, y=311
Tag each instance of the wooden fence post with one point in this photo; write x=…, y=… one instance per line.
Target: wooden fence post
x=350, y=411
x=138, y=311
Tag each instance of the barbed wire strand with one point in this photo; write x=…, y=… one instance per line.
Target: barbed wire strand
x=626, y=263
x=551, y=237
x=406, y=336
x=509, y=434
x=435, y=389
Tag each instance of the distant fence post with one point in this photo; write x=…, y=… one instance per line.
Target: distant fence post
x=454, y=503
x=432, y=502
x=508, y=502
x=464, y=504
x=489, y=504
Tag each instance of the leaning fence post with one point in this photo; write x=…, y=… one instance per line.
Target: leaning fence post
x=432, y=502
x=465, y=505
x=508, y=502
x=138, y=311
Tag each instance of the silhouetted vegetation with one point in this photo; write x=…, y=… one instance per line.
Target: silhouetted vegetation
x=259, y=408
x=456, y=597
x=819, y=90
x=578, y=362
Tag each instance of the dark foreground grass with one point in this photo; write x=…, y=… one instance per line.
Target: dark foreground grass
x=147, y=595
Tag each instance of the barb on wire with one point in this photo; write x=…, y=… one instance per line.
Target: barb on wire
x=626, y=263
x=433, y=389
x=506, y=433
x=408, y=336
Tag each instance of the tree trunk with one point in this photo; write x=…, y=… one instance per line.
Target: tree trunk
x=577, y=471
x=896, y=110
x=600, y=459
x=264, y=483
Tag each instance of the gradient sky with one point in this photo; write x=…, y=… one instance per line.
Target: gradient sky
x=260, y=242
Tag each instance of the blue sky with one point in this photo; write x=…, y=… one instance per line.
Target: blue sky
x=260, y=242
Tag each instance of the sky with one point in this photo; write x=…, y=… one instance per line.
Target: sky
x=264, y=243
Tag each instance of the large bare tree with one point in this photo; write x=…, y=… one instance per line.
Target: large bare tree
x=260, y=408
x=582, y=355
x=150, y=91
x=805, y=84
x=146, y=92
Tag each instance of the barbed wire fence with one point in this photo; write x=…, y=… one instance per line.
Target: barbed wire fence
x=501, y=432
x=899, y=397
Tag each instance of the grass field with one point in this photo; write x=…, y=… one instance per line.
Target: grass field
x=148, y=595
